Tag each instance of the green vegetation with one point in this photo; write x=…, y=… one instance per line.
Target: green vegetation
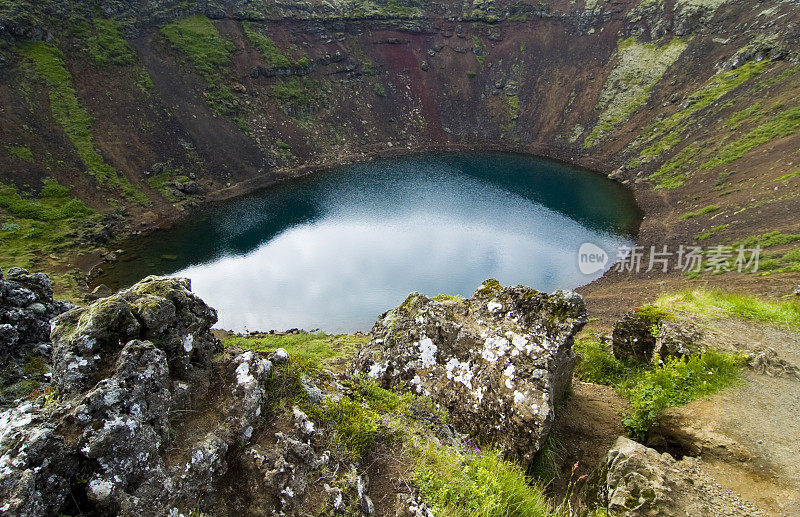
x=779, y=126
x=513, y=106
x=296, y=94
x=479, y=49
x=311, y=350
x=788, y=176
x=639, y=68
x=54, y=203
x=767, y=240
x=73, y=118
x=737, y=119
x=283, y=150
x=476, y=484
x=653, y=388
x=714, y=89
x=21, y=152
x=356, y=420
x=676, y=382
x=718, y=304
x=379, y=90
x=707, y=234
x=705, y=210
x=672, y=175
x=209, y=53
x=391, y=9
x=272, y=55
x=107, y=45
x=33, y=227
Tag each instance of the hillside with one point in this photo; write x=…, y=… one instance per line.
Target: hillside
x=146, y=110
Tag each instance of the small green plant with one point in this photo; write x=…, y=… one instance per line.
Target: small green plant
x=21, y=152
x=379, y=90
x=675, y=382
x=707, y=234
x=705, y=210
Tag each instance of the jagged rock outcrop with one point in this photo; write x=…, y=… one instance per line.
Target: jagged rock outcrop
x=26, y=308
x=498, y=361
x=127, y=370
x=638, y=481
x=640, y=337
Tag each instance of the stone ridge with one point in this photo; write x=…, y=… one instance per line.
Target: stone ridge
x=499, y=361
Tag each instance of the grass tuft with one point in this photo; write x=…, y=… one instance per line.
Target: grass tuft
x=313, y=351
x=476, y=484
x=719, y=304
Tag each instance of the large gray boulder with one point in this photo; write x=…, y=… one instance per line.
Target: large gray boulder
x=498, y=362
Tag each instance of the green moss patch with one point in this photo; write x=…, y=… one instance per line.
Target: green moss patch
x=21, y=152
x=73, y=118
x=639, y=68
x=210, y=54
x=108, y=46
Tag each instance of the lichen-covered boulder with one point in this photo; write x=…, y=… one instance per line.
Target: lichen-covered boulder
x=163, y=311
x=677, y=338
x=26, y=307
x=146, y=409
x=642, y=335
x=498, y=361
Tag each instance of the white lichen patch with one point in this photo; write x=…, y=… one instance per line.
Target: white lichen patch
x=243, y=376
x=494, y=348
x=460, y=372
x=494, y=306
x=508, y=374
x=188, y=343
x=427, y=351
x=377, y=369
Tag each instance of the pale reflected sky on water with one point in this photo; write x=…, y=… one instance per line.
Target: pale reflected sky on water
x=366, y=236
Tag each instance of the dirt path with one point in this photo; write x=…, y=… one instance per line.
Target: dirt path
x=748, y=437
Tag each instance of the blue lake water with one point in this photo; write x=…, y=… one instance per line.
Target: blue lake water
x=336, y=249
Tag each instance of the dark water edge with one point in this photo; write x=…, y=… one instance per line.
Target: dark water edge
x=335, y=249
